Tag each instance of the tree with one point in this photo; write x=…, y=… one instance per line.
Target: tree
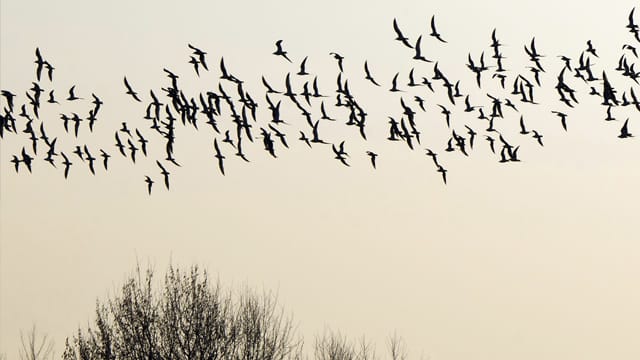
x=189, y=319
x=34, y=348
x=334, y=346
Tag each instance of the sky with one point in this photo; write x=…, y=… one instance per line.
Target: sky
x=536, y=259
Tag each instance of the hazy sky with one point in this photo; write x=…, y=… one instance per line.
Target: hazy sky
x=531, y=260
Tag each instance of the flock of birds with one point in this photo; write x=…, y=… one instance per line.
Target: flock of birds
x=237, y=120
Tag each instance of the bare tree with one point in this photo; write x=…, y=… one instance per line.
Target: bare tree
x=189, y=319
x=397, y=347
x=35, y=346
x=334, y=346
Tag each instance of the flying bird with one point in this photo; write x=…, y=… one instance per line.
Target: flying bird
x=338, y=57
x=303, y=67
x=624, y=131
x=418, y=55
x=67, y=164
x=219, y=156
x=130, y=90
x=280, y=52
x=443, y=171
x=164, y=173
x=200, y=54
x=72, y=96
x=149, y=182
x=373, y=157
x=434, y=32
x=368, y=74
x=400, y=37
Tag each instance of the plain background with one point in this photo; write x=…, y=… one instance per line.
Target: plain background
x=535, y=260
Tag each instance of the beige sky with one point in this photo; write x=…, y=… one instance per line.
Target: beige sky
x=530, y=260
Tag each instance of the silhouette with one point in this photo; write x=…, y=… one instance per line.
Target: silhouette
x=624, y=131
x=72, y=96
x=401, y=37
x=303, y=65
x=149, y=182
x=280, y=52
x=130, y=90
x=434, y=32
x=368, y=74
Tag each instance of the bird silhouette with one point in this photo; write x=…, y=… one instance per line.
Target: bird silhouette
x=418, y=51
x=280, y=52
x=72, y=96
x=624, y=131
x=219, y=156
x=149, y=183
x=130, y=90
x=400, y=37
x=200, y=54
x=303, y=67
x=164, y=173
x=434, y=32
x=339, y=58
x=368, y=74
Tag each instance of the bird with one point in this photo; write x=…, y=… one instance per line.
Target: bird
x=590, y=48
x=16, y=162
x=513, y=154
x=219, y=156
x=394, y=83
x=125, y=129
x=9, y=96
x=447, y=114
x=26, y=159
x=609, y=116
x=51, y=99
x=195, y=62
x=164, y=173
x=90, y=159
x=303, y=67
x=97, y=103
x=523, y=130
x=304, y=138
x=50, y=69
x=373, y=157
x=280, y=135
x=624, y=131
x=72, y=96
x=443, y=171
x=40, y=63
x=434, y=32
x=200, y=54
x=130, y=90
x=491, y=143
x=433, y=156
x=269, y=88
x=280, y=52
x=418, y=52
x=400, y=37
x=67, y=164
x=368, y=74
x=105, y=158
x=143, y=142
x=472, y=135
x=119, y=145
x=149, y=182
x=133, y=150
x=563, y=119
x=631, y=48
x=420, y=102
x=538, y=137
x=338, y=57
x=340, y=153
